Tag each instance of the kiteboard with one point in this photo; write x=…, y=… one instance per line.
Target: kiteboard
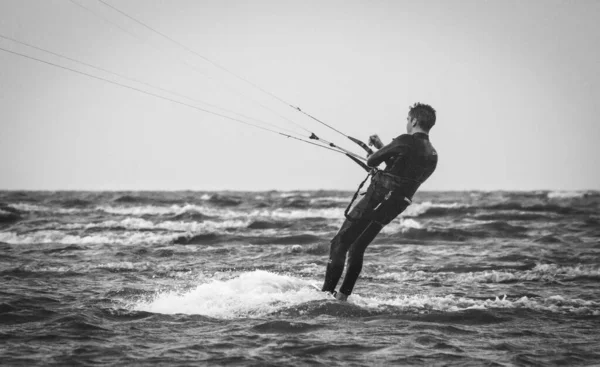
x=330, y=295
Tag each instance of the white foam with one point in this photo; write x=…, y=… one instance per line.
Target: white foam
x=252, y=294
x=259, y=293
x=541, y=272
x=83, y=267
x=134, y=223
x=150, y=209
x=451, y=303
x=52, y=236
x=45, y=209
x=225, y=213
x=401, y=225
x=331, y=213
x=566, y=194
x=333, y=199
x=414, y=210
x=288, y=194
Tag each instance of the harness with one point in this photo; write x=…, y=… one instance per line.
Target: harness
x=372, y=173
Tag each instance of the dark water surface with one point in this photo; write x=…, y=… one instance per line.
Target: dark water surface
x=193, y=278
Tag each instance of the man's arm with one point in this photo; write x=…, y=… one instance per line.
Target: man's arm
x=398, y=146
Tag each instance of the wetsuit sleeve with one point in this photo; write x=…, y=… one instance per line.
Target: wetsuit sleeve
x=399, y=146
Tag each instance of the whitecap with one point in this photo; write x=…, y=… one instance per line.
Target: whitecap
x=134, y=223
x=566, y=194
x=541, y=272
x=33, y=208
x=53, y=236
x=401, y=225
x=333, y=199
x=251, y=294
x=416, y=209
x=451, y=303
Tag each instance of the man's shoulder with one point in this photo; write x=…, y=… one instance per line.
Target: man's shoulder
x=403, y=139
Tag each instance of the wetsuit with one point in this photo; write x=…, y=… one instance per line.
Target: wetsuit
x=410, y=160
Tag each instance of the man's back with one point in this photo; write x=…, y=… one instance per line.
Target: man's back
x=410, y=160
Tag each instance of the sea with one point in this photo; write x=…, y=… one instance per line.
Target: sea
x=193, y=278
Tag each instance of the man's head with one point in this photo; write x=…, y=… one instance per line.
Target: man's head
x=420, y=117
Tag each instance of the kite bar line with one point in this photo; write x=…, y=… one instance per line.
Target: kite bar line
x=171, y=100
x=188, y=49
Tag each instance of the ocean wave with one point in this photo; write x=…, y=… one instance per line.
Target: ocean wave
x=225, y=200
x=37, y=208
x=9, y=215
x=153, y=198
x=42, y=269
x=451, y=303
x=265, y=224
x=150, y=209
x=226, y=213
x=330, y=199
x=259, y=293
x=288, y=194
x=127, y=199
x=512, y=215
x=252, y=294
x=401, y=225
x=567, y=194
x=72, y=203
x=518, y=210
x=409, y=229
x=501, y=227
x=548, y=239
x=214, y=238
x=327, y=213
x=296, y=204
x=539, y=273
x=286, y=327
x=430, y=209
x=202, y=239
x=287, y=240
x=107, y=237
x=437, y=234
x=321, y=248
x=191, y=216
x=134, y=223
x=200, y=212
x=535, y=208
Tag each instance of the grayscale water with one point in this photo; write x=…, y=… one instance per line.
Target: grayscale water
x=195, y=278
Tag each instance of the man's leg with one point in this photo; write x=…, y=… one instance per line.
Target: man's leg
x=357, y=252
x=337, y=253
x=381, y=216
x=343, y=239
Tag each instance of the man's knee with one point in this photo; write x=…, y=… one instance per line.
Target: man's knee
x=337, y=251
x=337, y=259
x=351, y=233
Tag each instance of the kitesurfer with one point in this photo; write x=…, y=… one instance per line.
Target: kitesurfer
x=410, y=159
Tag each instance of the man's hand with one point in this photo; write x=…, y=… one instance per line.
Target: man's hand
x=374, y=141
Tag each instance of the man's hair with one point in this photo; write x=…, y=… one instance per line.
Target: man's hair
x=425, y=115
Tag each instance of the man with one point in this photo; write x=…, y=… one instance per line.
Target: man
x=410, y=159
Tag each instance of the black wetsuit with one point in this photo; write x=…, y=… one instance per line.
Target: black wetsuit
x=410, y=160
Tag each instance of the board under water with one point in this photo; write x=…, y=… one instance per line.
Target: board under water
x=179, y=278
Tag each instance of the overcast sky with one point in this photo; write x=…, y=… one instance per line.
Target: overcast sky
x=515, y=85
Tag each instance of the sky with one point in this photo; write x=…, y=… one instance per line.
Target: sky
x=515, y=85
